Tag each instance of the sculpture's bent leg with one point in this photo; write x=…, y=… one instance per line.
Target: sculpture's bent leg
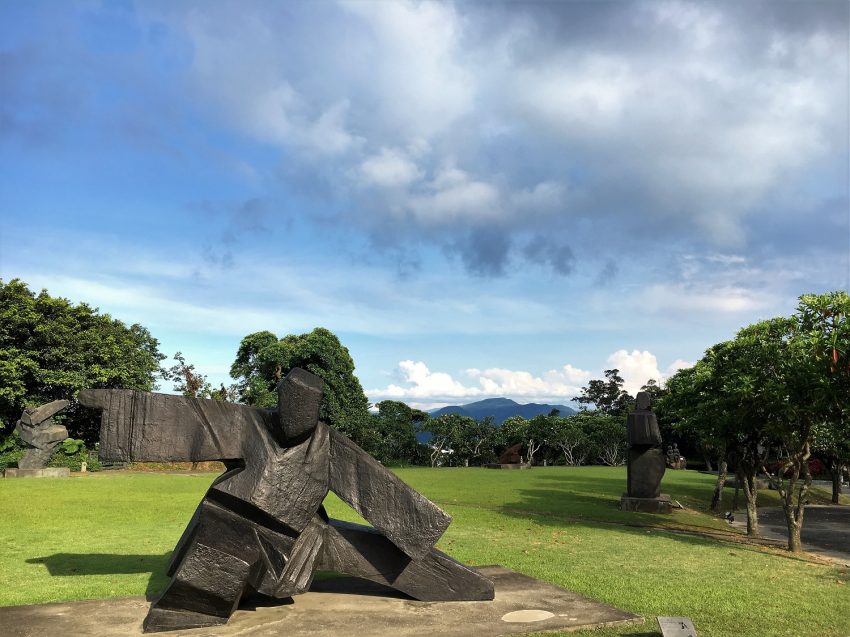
x=220, y=557
x=363, y=552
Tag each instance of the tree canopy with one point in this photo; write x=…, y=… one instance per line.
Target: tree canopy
x=263, y=360
x=51, y=348
x=769, y=396
x=608, y=396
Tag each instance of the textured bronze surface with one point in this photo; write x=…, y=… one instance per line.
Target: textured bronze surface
x=261, y=526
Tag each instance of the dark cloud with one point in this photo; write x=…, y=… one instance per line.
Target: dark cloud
x=551, y=253
x=484, y=252
x=233, y=223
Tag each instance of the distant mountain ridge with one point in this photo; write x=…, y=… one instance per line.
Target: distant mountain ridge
x=501, y=409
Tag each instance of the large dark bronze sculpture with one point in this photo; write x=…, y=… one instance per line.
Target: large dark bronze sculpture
x=261, y=527
x=646, y=461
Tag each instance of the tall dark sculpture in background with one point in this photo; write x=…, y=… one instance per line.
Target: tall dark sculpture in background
x=37, y=429
x=261, y=526
x=646, y=461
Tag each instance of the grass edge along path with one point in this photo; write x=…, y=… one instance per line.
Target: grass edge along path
x=110, y=536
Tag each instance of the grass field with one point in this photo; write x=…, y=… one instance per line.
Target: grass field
x=110, y=534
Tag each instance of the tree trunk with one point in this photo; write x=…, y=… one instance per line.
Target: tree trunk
x=835, y=469
x=708, y=467
x=751, y=493
x=799, y=464
x=739, y=480
x=717, y=498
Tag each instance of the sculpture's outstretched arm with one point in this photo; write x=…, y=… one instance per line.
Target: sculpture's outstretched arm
x=143, y=426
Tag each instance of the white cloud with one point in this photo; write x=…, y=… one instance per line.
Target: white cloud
x=676, y=365
x=689, y=123
x=416, y=65
x=389, y=168
x=636, y=367
x=724, y=299
x=422, y=386
x=452, y=196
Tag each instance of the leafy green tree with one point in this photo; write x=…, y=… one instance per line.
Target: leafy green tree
x=539, y=431
x=692, y=402
x=263, y=360
x=51, y=348
x=655, y=390
x=824, y=328
x=511, y=432
x=447, y=433
x=606, y=435
x=473, y=440
x=187, y=381
x=395, y=426
x=608, y=396
x=570, y=437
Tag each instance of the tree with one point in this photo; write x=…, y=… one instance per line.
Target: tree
x=691, y=402
x=607, y=437
x=446, y=433
x=394, y=428
x=608, y=396
x=186, y=380
x=263, y=360
x=51, y=348
x=655, y=390
x=570, y=436
x=538, y=432
x=824, y=328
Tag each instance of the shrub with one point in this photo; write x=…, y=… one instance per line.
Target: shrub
x=72, y=453
x=11, y=450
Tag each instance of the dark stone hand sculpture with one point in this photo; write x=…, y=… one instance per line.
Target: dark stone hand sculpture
x=37, y=429
x=261, y=526
x=646, y=461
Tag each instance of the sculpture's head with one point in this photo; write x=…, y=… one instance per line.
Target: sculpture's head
x=643, y=401
x=299, y=397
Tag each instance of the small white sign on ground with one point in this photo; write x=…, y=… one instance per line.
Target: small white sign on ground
x=676, y=627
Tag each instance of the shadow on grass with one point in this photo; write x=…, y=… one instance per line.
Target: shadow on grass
x=568, y=508
x=76, y=564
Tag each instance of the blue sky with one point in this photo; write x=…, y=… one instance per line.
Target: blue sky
x=479, y=199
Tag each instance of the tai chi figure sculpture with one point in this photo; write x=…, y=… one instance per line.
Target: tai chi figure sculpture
x=261, y=526
x=646, y=461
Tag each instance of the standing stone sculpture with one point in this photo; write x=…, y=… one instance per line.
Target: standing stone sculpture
x=261, y=526
x=37, y=429
x=646, y=461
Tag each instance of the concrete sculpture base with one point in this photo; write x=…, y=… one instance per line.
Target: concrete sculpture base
x=344, y=606
x=48, y=472
x=662, y=504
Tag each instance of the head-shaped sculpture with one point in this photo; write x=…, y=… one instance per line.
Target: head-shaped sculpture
x=299, y=397
x=643, y=401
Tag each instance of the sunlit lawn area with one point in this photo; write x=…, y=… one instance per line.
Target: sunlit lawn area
x=110, y=534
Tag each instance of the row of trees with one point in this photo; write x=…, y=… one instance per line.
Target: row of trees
x=768, y=399
x=589, y=437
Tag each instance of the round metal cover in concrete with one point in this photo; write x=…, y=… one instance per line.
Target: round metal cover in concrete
x=522, y=616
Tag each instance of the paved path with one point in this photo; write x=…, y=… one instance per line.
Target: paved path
x=826, y=528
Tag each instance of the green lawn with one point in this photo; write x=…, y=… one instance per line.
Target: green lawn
x=110, y=534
